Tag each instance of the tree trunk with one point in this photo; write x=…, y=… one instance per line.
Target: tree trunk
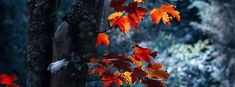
x=39, y=35
x=75, y=41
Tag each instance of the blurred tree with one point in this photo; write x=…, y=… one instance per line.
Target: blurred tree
x=75, y=40
x=40, y=30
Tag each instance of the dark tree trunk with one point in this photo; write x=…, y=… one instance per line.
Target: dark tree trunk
x=75, y=41
x=39, y=34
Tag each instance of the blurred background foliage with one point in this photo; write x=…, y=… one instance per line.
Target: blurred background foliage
x=198, y=51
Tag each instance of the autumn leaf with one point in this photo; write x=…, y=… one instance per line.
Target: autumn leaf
x=120, y=64
x=152, y=83
x=102, y=38
x=144, y=54
x=163, y=13
x=138, y=1
x=108, y=78
x=106, y=60
x=127, y=75
x=101, y=70
x=137, y=74
x=159, y=74
x=135, y=13
x=93, y=59
x=123, y=22
x=155, y=66
x=151, y=75
x=8, y=80
x=154, y=71
x=117, y=4
x=138, y=63
x=118, y=78
x=121, y=57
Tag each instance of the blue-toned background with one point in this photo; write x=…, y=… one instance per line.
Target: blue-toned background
x=198, y=51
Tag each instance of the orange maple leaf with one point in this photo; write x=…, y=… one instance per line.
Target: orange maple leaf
x=154, y=71
x=8, y=80
x=102, y=38
x=135, y=14
x=123, y=22
x=162, y=13
x=137, y=62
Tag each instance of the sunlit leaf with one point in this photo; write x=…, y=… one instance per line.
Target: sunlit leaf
x=102, y=38
x=163, y=13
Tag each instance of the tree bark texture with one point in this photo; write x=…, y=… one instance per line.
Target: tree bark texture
x=75, y=41
x=41, y=23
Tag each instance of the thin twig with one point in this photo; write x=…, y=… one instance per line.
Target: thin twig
x=113, y=24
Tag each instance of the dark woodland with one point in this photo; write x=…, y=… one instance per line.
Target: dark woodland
x=37, y=35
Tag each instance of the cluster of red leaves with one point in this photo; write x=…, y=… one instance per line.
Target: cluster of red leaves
x=8, y=80
x=130, y=68
x=134, y=15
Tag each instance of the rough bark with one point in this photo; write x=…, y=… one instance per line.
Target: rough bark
x=74, y=41
x=41, y=23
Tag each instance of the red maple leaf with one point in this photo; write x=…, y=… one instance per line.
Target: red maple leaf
x=135, y=14
x=8, y=80
x=117, y=4
x=102, y=38
x=144, y=54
